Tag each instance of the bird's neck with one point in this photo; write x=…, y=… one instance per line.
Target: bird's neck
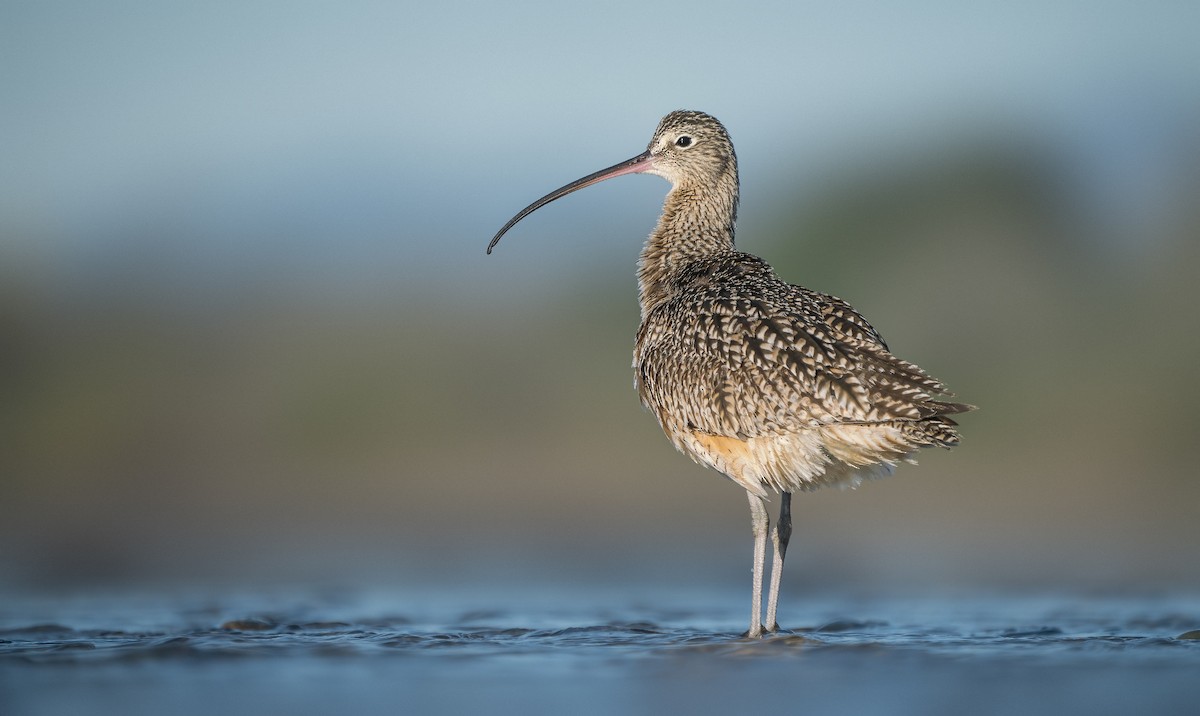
x=697, y=223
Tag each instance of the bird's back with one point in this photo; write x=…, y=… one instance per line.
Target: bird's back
x=777, y=386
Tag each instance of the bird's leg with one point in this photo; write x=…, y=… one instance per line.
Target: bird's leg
x=779, y=538
x=760, y=523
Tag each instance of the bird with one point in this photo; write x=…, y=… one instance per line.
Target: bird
x=780, y=388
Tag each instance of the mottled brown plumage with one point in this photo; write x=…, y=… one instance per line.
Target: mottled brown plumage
x=778, y=387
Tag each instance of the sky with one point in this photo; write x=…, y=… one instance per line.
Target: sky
x=400, y=135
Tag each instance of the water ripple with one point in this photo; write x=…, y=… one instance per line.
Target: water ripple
x=277, y=635
x=302, y=654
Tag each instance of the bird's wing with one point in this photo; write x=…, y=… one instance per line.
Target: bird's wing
x=755, y=356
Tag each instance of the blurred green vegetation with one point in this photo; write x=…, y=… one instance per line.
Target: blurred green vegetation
x=150, y=434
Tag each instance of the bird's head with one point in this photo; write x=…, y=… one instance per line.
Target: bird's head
x=688, y=149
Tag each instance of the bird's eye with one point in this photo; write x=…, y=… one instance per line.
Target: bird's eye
x=684, y=141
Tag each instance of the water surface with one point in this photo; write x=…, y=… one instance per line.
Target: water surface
x=590, y=652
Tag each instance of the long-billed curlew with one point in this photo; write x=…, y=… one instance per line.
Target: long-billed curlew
x=775, y=386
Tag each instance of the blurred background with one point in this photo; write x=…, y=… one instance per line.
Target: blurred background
x=249, y=334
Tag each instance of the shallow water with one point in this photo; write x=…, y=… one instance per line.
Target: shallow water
x=395, y=652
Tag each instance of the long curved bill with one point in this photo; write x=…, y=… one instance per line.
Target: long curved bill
x=640, y=163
